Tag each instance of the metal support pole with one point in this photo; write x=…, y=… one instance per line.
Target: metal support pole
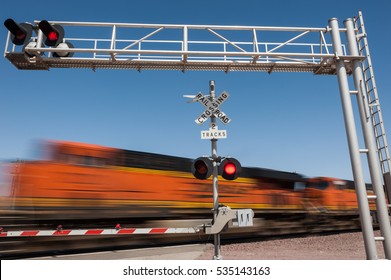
x=369, y=138
x=354, y=151
x=185, y=43
x=217, y=255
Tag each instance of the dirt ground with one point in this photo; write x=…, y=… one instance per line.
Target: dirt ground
x=343, y=246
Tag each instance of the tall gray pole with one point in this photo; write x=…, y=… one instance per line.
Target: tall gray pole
x=354, y=150
x=217, y=255
x=369, y=138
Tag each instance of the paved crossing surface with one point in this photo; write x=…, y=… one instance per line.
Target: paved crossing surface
x=183, y=252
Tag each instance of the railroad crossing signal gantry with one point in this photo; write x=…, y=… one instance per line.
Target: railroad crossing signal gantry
x=183, y=47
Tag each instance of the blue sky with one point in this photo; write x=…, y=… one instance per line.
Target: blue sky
x=285, y=121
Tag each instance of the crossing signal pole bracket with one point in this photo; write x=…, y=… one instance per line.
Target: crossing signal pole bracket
x=232, y=218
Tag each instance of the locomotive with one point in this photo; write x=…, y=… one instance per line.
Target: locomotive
x=86, y=182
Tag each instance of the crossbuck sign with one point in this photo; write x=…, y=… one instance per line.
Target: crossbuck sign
x=212, y=108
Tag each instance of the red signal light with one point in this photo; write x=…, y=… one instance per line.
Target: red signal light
x=54, y=33
x=202, y=168
x=230, y=168
x=20, y=35
x=53, y=36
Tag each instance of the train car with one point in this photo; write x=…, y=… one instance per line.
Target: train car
x=88, y=183
x=84, y=181
x=332, y=194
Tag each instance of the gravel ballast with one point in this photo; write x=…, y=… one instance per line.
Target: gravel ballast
x=342, y=246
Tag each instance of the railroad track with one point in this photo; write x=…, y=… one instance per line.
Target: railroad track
x=37, y=246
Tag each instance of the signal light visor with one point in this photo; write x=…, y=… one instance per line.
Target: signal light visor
x=20, y=32
x=54, y=33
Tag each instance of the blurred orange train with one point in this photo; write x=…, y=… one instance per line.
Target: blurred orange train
x=83, y=181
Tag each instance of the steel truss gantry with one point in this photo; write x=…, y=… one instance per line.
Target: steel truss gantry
x=330, y=50
x=186, y=47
